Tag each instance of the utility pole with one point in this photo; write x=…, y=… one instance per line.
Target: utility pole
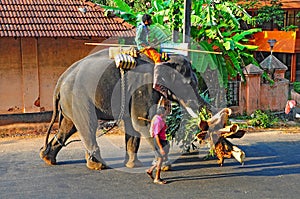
x=175, y=31
x=187, y=21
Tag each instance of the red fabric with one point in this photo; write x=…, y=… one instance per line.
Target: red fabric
x=158, y=127
x=289, y=105
x=152, y=54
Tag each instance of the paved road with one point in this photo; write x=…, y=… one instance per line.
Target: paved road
x=271, y=170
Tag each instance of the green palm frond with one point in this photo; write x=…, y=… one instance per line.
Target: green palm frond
x=159, y=34
x=235, y=60
x=123, y=6
x=227, y=12
x=200, y=61
x=242, y=34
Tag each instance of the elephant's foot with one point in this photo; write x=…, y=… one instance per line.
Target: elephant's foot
x=133, y=164
x=47, y=157
x=94, y=164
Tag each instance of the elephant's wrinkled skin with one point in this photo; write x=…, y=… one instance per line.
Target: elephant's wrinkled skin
x=89, y=91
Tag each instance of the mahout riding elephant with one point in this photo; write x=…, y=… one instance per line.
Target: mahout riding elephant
x=92, y=89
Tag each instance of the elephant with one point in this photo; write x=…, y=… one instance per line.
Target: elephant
x=91, y=90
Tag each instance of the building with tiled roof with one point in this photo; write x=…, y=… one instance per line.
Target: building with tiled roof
x=40, y=39
x=64, y=18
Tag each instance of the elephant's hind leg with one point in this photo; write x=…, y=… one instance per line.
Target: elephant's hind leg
x=66, y=130
x=132, y=141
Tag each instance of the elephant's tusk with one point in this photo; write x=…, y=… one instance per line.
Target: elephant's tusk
x=191, y=112
x=188, y=109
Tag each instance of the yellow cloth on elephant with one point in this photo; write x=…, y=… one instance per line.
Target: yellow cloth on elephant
x=152, y=54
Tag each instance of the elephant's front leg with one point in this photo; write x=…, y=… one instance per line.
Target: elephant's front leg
x=132, y=141
x=87, y=134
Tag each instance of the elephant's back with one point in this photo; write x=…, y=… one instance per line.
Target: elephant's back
x=85, y=74
x=92, y=58
x=102, y=53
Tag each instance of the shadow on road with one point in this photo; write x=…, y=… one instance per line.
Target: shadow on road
x=262, y=159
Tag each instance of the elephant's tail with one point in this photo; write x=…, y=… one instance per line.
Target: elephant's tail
x=54, y=115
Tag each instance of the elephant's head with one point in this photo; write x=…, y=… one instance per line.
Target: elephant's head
x=178, y=82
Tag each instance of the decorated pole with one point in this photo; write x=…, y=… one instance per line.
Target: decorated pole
x=107, y=44
x=174, y=48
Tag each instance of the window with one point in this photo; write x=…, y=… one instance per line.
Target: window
x=291, y=18
x=232, y=93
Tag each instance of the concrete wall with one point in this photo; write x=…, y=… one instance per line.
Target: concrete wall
x=30, y=67
x=255, y=95
x=274, y=97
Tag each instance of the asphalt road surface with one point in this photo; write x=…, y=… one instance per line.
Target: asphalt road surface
x=271, y=170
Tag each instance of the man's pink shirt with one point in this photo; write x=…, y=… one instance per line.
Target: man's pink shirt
x=158, y=127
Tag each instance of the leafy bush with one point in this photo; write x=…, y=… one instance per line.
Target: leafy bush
x=290, y=28
x=173, y=121
x=262, y=119
x=296, y=87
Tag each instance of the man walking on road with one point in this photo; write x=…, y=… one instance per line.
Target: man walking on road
x=161, y=144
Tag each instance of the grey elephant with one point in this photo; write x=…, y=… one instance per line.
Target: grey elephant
x=91, y=90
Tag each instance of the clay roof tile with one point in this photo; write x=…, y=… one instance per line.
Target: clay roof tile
x=40, y=18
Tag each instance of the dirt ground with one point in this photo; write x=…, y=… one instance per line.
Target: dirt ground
x=25, y=130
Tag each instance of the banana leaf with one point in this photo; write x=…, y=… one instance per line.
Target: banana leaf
x=123, y=6
x=159, y=34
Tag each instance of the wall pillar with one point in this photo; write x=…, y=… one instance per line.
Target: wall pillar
x=293, y=68
x=252, y=97
x=30, y=74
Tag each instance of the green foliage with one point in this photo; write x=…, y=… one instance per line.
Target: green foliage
x=124, y=11
x=202, y=61
x=175, y=14
x=298, y=16
x=182, y=128
x=273, y=14
x=249, y=4
x=206, y=98
x=217, y=25
x=101, y=2
x=173, y=121
x=204, y=114
x=136, y=5
x=290, y=28
x=262, y=119
x=159, y=11
x=159, y=34
x=296, y=86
